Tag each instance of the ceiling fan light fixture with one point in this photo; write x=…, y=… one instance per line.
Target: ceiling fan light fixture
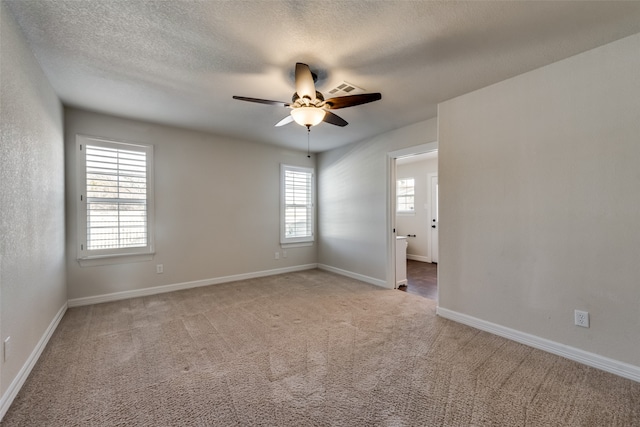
x=308, y=116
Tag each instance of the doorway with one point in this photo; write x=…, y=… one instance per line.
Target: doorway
x=417, y=221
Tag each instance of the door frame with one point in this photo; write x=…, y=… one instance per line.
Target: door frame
x=430, y=196
x=391, y=203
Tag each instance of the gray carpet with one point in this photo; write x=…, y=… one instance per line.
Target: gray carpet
x=303, y=349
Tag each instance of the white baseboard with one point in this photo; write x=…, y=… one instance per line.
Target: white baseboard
x=613, y=366
x=18, y=381
x=135, y=293
x=418, y=258
x=353, y=275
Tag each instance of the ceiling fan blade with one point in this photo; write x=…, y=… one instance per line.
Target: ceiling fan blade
x=262, y=101
x=351, y=100
x=304, y=81
x=285, y=121
x=334, y=120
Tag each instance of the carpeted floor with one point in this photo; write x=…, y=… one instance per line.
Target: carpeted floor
x=303, y=349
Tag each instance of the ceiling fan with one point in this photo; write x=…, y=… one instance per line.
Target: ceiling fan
x=308, y=106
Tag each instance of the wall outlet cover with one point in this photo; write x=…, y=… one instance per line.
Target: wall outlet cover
x=581, y=318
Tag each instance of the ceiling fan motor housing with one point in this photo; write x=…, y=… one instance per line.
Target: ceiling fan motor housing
x=296, y=97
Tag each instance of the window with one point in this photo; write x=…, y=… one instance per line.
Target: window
x=296, y=222
x=115, y=204
x=405, y=195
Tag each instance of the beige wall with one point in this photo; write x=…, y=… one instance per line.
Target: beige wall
x=540, y=201
x=352, y=201
x=217, y=207
x=32, y=251
x=418, y=223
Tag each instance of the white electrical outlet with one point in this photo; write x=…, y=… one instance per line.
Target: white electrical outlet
x=160, y=268
x=581, y=318
x=277, y=256
x=5, y=349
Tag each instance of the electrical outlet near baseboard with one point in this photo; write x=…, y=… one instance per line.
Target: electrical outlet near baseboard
x=581, y=318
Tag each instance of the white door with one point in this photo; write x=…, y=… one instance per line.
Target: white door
x=433, y=186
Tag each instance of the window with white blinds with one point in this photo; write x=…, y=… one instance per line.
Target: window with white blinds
x=405, y=195
x=297, y=219
x=115, y=201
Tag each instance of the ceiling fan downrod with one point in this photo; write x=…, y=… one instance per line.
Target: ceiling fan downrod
x=308, y=143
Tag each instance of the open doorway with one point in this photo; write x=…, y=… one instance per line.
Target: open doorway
x=414, y=222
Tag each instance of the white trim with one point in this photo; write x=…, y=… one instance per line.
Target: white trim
x=88, y=257
x=613, y=366
x=114, y=259
x=357, y=276
x=18, y=381
x=419, y=258
x=430, y=232
x=284, y=240
x=417, y=149
x=135, y=293
x=295, y=245
x=391, y=222
x=391, y=203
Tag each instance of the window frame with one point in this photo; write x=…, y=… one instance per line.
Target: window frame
x=88, y=257
x=398, y=195
x=303, y=240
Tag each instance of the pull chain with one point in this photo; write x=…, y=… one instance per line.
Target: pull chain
x=308, y=136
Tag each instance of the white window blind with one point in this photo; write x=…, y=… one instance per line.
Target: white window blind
x=405, y=195
x=297, y=204
x=115, y=191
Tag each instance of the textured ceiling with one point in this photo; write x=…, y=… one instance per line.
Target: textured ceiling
x=180, y=62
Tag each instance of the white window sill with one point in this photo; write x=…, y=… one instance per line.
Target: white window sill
x=295, y=244
x=114, y=259
x=406, y=213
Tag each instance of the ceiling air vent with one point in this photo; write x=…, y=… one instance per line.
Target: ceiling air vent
x=345, y=88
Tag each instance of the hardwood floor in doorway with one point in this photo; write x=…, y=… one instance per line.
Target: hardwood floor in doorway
x=422, y=278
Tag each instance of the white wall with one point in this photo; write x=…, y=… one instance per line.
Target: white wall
x=418, y=223
x=217, y=207
x=540, y=201
x=352, y=201
x=32, y=251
